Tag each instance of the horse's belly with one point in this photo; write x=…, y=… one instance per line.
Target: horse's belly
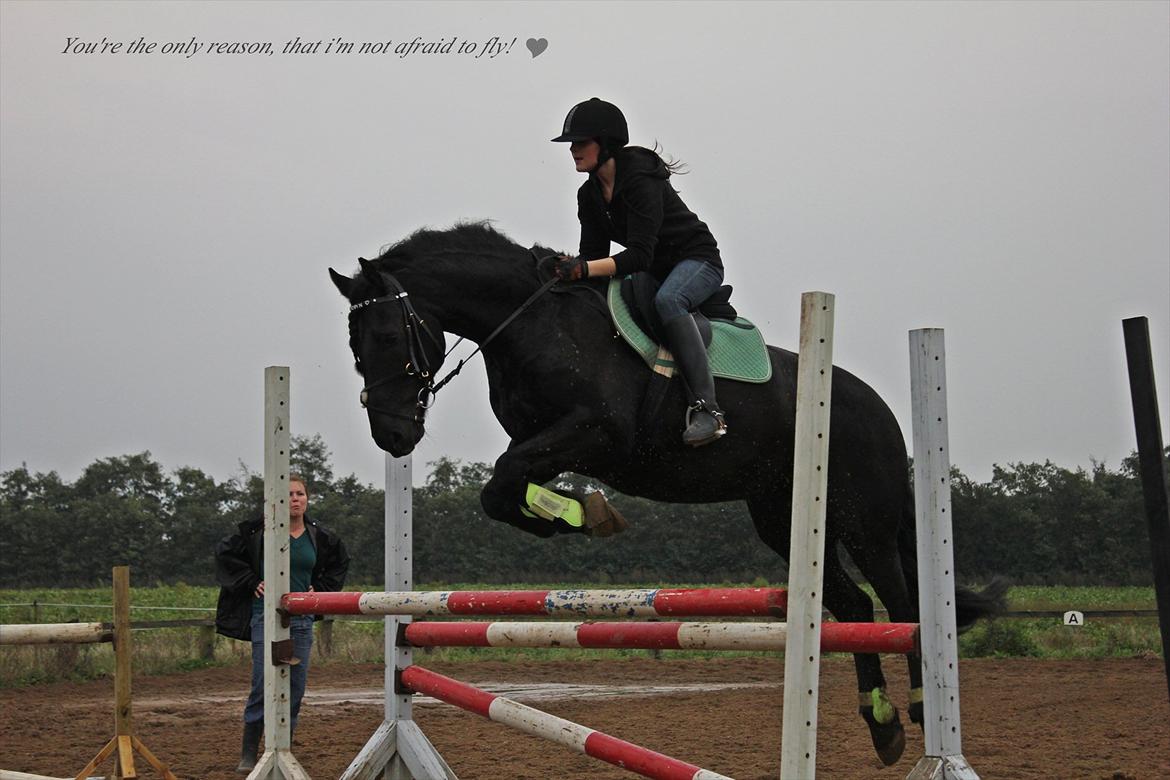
x=696, y=477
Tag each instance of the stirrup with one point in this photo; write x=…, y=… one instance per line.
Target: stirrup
x=714, y=413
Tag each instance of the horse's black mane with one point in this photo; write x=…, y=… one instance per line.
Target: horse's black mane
x=473, y=238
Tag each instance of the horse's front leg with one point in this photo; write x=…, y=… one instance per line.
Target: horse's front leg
x=515, y=494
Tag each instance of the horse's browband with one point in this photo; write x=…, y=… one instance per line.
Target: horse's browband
x=372, y=301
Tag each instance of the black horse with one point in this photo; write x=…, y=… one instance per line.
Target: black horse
x=568, y=394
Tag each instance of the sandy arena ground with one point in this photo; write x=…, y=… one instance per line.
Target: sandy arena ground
x=1049, y=720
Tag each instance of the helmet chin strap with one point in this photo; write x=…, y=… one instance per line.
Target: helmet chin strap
x=603, y=156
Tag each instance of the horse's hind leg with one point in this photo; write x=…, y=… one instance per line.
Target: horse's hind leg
x=848, y=603
x=884, y=568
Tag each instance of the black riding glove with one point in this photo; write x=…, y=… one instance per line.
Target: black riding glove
x=571, y=269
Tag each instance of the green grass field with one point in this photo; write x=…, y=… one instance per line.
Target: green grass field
x=159, y=651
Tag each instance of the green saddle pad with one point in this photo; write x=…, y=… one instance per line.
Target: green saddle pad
x=737, y=348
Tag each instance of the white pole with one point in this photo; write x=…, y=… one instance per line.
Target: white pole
x=277, y=762
x=277, y=688
x=416, y=757
x=54, y=633
x=936, y=579
x=399, y=575
x=399, y=747
x=798, y=748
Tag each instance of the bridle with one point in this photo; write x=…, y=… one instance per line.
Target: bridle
x=418, y=365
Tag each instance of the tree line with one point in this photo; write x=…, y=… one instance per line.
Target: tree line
x=1032, y=523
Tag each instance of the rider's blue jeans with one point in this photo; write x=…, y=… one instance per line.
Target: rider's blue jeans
x=689, y=284
x=301, y=630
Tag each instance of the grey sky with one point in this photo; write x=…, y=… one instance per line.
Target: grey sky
x=1000, y=170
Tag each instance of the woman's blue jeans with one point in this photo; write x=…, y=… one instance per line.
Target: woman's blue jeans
x=301, y=630
x=688, y=285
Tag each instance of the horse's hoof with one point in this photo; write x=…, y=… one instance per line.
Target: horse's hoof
x=889, y=739
x=601, y=518
x=892, y=751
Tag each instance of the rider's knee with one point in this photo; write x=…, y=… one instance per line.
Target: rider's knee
x=668, y=305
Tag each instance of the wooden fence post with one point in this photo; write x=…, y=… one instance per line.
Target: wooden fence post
x=207, y=643
x=325, y=637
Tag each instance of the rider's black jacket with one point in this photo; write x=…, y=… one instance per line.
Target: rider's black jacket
x=645, y=215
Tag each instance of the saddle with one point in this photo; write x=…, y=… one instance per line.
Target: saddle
x=638, y=291
x=735, y=347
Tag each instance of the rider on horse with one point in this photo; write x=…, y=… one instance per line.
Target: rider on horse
x=628, y=199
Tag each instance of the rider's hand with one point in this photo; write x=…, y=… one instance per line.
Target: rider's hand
x=570, y=269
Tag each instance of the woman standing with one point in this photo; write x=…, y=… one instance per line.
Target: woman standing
x=318, y=561
x=628, y=199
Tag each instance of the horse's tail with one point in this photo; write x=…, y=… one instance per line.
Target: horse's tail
x=970, y=605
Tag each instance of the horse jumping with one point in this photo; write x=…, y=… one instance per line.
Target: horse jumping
x=568, y=394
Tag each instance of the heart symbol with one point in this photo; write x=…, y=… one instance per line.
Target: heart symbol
x=536, y=46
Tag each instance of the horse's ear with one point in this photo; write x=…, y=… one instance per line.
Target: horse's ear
x=343, y=283
x=369, y=271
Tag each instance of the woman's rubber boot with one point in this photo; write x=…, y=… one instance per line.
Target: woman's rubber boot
x=705, y=422
x=251, y=748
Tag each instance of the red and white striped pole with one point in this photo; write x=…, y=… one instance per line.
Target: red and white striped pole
x=582, y=739
x=899, y=638
x=662, y=602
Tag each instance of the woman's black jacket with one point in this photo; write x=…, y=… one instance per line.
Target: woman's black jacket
x=239, y=567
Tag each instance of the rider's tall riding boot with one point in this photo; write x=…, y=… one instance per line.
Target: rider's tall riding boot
x=705, y=421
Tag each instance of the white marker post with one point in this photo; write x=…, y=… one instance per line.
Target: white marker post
x=277, y=762
x=936, y=562
x=802, y=658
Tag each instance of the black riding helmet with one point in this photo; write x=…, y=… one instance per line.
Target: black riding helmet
x=596, y=118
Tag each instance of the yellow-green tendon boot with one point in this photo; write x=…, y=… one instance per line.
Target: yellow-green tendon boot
x=552, y=506
x=597, y=517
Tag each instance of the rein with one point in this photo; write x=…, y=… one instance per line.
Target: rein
x=524, y=306
x=418, y=364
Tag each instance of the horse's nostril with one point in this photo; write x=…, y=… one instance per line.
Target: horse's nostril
x=364, y=398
